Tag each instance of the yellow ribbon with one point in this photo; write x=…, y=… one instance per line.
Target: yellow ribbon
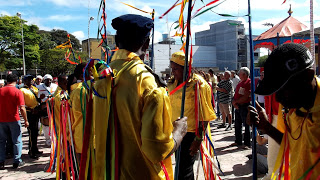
x=137, y=8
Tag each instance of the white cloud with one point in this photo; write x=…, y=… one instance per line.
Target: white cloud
x=62, y=18
x=17, y=3
x=79, y=35
x=5, y=13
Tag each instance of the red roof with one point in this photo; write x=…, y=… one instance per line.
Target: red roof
x=285, y=28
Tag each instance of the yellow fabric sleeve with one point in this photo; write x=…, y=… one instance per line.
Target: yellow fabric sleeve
x=157, y=142
x=206, y=105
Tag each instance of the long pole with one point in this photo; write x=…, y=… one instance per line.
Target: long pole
x=23, y=58
x=152, y=47
x=89, y=39
x=254, y=128
x=89, y=50
x=312, y=34
x=185, y=71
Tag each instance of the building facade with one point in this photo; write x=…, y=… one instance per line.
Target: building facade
x=232, y=45
x=95, y=51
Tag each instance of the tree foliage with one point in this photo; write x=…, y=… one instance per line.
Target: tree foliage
x=54, y=63
x=39, y=47
x=9, y=38
x=262, y=61
x=56, y=37
x=11, y=51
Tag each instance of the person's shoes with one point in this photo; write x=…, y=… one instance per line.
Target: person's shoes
x=16, y=165
x=33, y=156
x=228, y=127
x=222, y=126
x=245, y=147
x=2, y=166
x=39, y=152
x=235, y=144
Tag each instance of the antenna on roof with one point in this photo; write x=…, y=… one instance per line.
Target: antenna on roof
x=268, y=24
x=290, y=11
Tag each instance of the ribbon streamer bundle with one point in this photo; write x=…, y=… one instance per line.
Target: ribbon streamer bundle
x=68, y=45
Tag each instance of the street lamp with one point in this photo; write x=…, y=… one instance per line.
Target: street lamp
x=90, y=19
x=24, y=61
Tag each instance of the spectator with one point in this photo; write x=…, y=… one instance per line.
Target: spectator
x=214, y=82
x=235, y=81
x=30, y=94
x=225, y=89
x=1, y=83
x=241, y=101
x=11, y=101
x=38, y=81
x=289, y=73
x=192, y=141
x=260, y=98
x=19, y=84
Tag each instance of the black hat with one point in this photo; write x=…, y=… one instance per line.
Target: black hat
x=28, y=76
x=133, y=25
x=285, y=62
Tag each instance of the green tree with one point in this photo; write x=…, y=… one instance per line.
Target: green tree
x=262, y=61
x=9, y=38
x=53, y=61
x=11, y=56
x=59, y=37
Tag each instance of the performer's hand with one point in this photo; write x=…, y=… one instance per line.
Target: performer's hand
x=42, y=96
x=235, y=105
x=26, y=124
x=195, y=146
x=179, y=129
x=258, y=117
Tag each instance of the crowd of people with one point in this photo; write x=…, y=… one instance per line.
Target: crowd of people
x=145, y=111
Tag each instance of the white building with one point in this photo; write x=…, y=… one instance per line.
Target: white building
x=203, y=56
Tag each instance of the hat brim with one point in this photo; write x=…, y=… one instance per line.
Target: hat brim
x=267, y=87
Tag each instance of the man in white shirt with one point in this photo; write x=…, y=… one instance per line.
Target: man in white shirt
x=46, y=91
x=235, y=79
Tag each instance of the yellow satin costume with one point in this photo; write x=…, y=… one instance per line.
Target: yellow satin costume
x=206, y=111
x=304, y=150
x=144, y=118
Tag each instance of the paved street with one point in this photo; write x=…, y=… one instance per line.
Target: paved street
x=233, y=160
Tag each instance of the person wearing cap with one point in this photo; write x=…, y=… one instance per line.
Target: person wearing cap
x=38, y=81
x=192, y=141
x=289, y=74
x=11, y=101
x=46, y=91
x=32, y=101
x=241, y=101
x=147, y=137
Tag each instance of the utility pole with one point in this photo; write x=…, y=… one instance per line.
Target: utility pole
x=23, y=58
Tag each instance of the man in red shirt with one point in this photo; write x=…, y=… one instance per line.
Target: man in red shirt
x=241, y=101
x=11, y=100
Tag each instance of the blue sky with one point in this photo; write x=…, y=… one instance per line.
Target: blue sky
x=73, y=15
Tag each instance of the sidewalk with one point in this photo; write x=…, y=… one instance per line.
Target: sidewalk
x=233, y=160
x=33, y=169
